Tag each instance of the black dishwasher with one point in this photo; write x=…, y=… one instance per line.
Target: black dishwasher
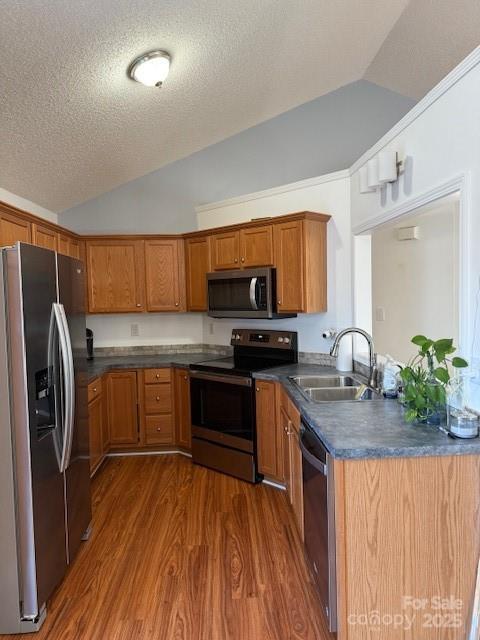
x=318, y=503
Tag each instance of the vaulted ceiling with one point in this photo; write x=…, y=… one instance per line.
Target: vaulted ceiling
x=73, y=126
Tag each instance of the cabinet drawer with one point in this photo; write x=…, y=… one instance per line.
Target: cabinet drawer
x=153, y=376
x=94, y=389
x=159, y=429
x=158, y=398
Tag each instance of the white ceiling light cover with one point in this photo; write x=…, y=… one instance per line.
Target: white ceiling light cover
x=151, y=69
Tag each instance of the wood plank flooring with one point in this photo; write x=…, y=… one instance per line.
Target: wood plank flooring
x=179, y=552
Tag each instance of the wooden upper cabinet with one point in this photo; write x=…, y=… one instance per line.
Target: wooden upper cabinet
x=14, y=229
x=115, y=276
x=44, y=237
x=300, y=249
x=197, y=258
x=69, y=246
x=63, y=242
x=122, y=408
x=289, y=263
x=165, y=275
x=256, y=246
x=225, y=250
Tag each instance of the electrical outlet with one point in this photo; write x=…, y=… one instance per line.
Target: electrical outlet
x=211, y=328
x=134, y=330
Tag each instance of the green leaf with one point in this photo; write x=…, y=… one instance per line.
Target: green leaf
x=419, y=340
x=459, y=363
x=443, y=345
x=442, y=374
x=420, y=402
x=411, y=415
x=426, y=346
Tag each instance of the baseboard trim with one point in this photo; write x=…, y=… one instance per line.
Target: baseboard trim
x=122, y=454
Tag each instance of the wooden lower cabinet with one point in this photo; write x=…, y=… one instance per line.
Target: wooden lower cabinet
x=269, y=431
x=98, y=425
x=122, y=407
x=292, y=457
x=183, y=420
x=406, y=529
x=157, y=407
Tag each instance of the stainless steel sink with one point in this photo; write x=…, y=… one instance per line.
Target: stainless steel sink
x=323, y=382
x=341, y=394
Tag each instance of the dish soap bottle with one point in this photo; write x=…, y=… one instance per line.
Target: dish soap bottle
x=390, y=378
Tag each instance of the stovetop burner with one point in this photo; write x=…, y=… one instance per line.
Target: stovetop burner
x=253, y=351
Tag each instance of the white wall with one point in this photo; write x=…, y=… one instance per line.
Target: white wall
x=415, y=282
x=21, y=203
x=153, y=328
x=329, y=194
x=441, y=140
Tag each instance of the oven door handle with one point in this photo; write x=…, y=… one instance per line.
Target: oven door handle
x=213, y=377
x=253, y=297
x=313, y=460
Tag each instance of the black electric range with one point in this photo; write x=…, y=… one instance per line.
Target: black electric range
x=223, y=400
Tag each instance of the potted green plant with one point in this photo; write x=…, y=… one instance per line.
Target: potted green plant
x=425, y=379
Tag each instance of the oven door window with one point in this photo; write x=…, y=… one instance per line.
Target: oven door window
x=222, y=407
x=238, y=294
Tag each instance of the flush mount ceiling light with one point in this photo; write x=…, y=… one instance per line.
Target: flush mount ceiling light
x=150, y=69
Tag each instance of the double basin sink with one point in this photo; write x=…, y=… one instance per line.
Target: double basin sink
x=334, y=388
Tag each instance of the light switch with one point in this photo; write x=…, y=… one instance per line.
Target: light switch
x=380, y=314
x=134, y=330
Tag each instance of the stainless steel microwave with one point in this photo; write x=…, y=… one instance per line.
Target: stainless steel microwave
x=244, y=293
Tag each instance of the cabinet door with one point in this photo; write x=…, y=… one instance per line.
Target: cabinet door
x=182, y=409
x=286, y=429
x=115, y=276
x=198, y=265
x=63, y=243
x=164, y=269
x=288, y=246
x=225, y=250
x=95, y=424
x=268, y=440
x=75, y=248
x=296, y=479
x=256, y=246
x=44, y=237
x=122, y=408
x=14, y=229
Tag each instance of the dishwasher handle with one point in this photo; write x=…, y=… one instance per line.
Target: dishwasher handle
x=309, y=457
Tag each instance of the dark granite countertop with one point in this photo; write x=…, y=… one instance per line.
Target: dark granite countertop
x=100, y=365
x=366, y=429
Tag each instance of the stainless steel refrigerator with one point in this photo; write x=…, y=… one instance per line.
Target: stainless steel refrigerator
x=45, y=504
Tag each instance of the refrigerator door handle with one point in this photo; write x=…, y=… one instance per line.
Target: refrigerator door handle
x=68, y=383
x=52, y=372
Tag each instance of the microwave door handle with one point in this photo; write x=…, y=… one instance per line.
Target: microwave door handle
x=253, y=290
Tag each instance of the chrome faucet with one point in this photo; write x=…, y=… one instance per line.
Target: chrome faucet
x=372, y=379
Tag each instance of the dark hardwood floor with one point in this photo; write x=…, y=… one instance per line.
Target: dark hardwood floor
x=179, y=552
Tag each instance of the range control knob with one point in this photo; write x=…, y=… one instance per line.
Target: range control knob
x=286, y=340
x=237, y=337
x=280, y=339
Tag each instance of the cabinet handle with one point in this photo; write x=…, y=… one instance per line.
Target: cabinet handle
x=138, y=304
x=176, y=304
x=279, y=302
x=159, y=428
x=157, y=398
x=157, y=375
x=257, y=389
x=95, y=389
x=243, y=259
x=185, y=377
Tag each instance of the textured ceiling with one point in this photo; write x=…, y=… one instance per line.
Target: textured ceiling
x=72, y=125
x=430, y=38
